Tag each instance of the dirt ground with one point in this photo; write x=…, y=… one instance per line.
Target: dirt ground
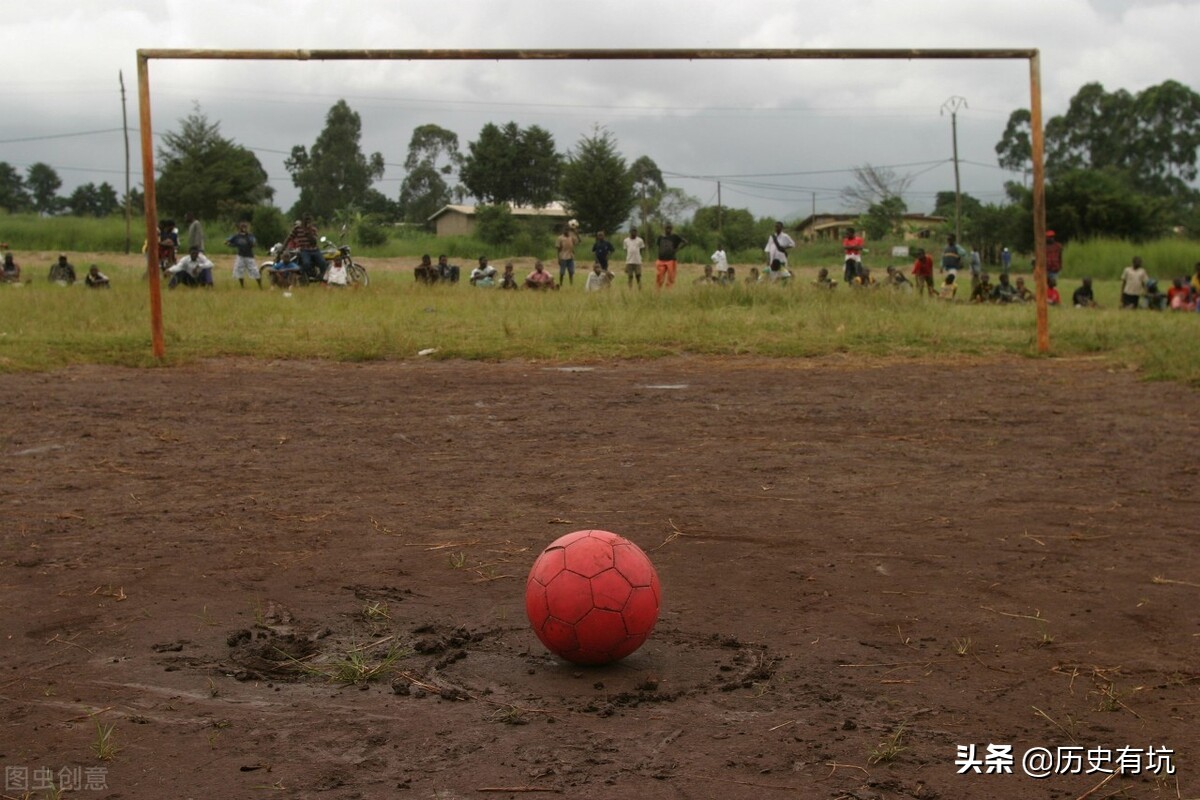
x=864, y=566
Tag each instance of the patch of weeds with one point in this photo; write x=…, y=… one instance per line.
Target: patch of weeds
x=888, y=749
x=104, y=746
x=1108, y=699
x=1044, y=637
x=458, y=560
x=962, y=646
x=509, y=715
x=376, y=612
x=356, y=667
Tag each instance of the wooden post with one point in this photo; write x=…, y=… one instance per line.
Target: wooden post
x=1039, y=200
x=152, y=273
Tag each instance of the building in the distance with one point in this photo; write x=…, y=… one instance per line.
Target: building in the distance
x=459, y=220
x=816, y=227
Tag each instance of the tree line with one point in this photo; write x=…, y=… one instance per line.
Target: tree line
x=1117, y=164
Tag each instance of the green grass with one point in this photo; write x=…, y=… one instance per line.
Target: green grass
x=45, y=327
x=1164, y=259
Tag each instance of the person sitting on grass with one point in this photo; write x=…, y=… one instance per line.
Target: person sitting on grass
x=777, y=273
x=1004, y=292
x=11, y=271
x=508, y=280
x=1179, y=296
x=728, y=277
x=707, y=279
x=896, y=279
x=1024, y=295
x=823, y=280
x=982, y=292
x=484, y=275
x=1083, y=296
x=95, y=279
x=194, y=269
x=62, y=272
x=753, y=277
x=336, y=274
x=949, y=288
x=1155, y=300
x=448, y=271
x=425, y=272
x=597, y=279
x=1053, y=298
x=539, y=278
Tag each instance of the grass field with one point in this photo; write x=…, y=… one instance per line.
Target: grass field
x=44, y=326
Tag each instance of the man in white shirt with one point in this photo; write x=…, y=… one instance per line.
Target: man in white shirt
x=484, y=275
x=194, y=269
x=597, y=279
x=778, y=245
x=721, y=261
x=634, y=245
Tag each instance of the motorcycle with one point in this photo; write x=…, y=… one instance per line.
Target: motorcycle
x=356, y=274
x=283, y=268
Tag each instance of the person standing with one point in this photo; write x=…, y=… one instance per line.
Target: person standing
x=1005, y=260
x=195, y=232
x=953, y=255
x=1053, y=254
x=1133, y=283
x=601, y=250
x=634, y=245
x=720, y=260
x=778, y=245
x=667, y=264
x=852, y=247
x=304, y=240
x=565, y=245
x=922, y=273
x=243, y=263
x=977, y=268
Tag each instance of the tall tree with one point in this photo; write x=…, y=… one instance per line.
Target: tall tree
x=648, y=184
x=335, y=173
x=1151, y=138
x=14, y=196
x=873, y=185
x=596, y=184
x=44, y=183
x=737, y=227
x=433, y=158
x=207, y=174
x=512, y=165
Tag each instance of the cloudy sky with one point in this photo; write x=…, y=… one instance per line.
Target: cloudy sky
x=780, y=136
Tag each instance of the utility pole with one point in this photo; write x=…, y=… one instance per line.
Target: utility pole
x=720, y=229
x=125, y=124
x=952, y=106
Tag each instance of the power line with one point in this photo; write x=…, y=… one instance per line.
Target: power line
x=46, y=137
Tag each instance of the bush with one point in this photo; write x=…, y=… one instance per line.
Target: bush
x=269, y=226
x=370, y=233
x=495, y=224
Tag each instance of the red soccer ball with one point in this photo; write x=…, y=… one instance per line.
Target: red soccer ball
x=592, y=597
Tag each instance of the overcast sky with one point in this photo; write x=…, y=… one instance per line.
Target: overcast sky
x=781, y=136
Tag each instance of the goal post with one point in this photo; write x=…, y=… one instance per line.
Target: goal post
x=144, y=57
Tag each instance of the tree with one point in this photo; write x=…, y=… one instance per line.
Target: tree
x=335, y=173
x=884, y=217
x=90, y=200
x=945, y=204
x=1015, y=148
x=512, y=165
x=1150, y=138
x=673, y=204
x=596, y=185
x=495, y=224
x=44, y=183
x=433, y=158
x=735, y=228
x=873, y=185
x=14, y=196
x=207, y=174
x=1086, y=203
x=648, y=183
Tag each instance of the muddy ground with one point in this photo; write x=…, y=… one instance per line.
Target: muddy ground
x=864, y=567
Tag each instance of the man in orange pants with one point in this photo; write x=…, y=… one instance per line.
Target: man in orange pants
x=668, y=245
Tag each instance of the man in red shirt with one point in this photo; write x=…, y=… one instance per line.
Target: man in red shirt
x=922, y=272
x=1053, y=254
x=853, y=246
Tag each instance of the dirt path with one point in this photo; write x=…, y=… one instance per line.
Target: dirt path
x=931, y=555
